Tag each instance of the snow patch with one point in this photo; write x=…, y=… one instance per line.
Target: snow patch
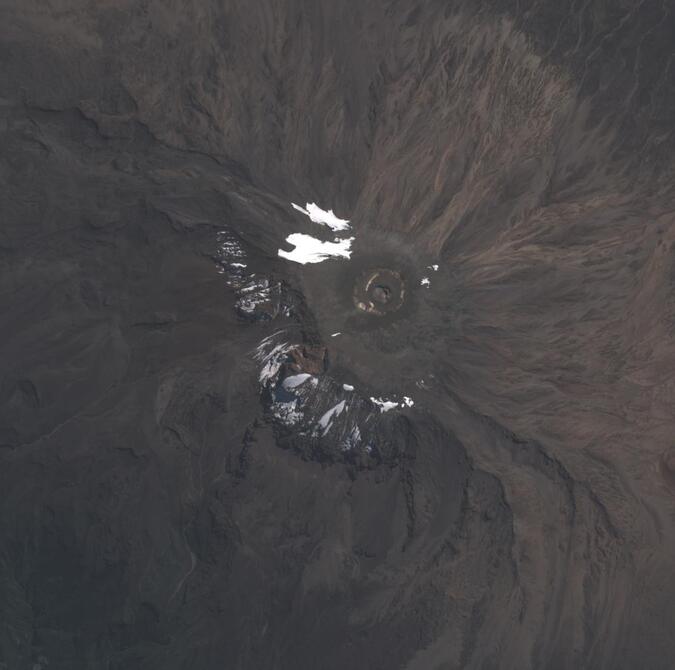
x=425, y=281
x=310, y=250
x=271, y=359
x=326, y=421
x=347, y=387
x=322, y=216
x=384, y=405
x=296, y=380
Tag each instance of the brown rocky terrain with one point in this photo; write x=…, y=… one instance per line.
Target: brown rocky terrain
x=211, y=458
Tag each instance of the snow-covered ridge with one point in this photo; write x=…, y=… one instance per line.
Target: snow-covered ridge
x=310, y=404
x=298, y=400
x=257, y=297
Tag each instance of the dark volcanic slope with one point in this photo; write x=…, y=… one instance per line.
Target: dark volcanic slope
x=186, y=480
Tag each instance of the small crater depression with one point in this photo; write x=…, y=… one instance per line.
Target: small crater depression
x=379, y=291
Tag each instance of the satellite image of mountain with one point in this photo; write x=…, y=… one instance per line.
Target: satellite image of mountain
x=337, y=335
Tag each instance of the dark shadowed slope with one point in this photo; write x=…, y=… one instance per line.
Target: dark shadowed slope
x=198, y=471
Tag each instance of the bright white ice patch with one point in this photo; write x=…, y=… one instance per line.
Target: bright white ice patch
x=326, y=218
x=347, y=387
x=326, y=421
x=296, y=380
x=425, y=281
x=384, y=405
x=272, y=358
x=433, y=267
x=273, y=362
x=310, y=250
x=336, y=334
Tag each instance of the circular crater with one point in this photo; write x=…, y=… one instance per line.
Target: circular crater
x=370, y=306
x=379, y=291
